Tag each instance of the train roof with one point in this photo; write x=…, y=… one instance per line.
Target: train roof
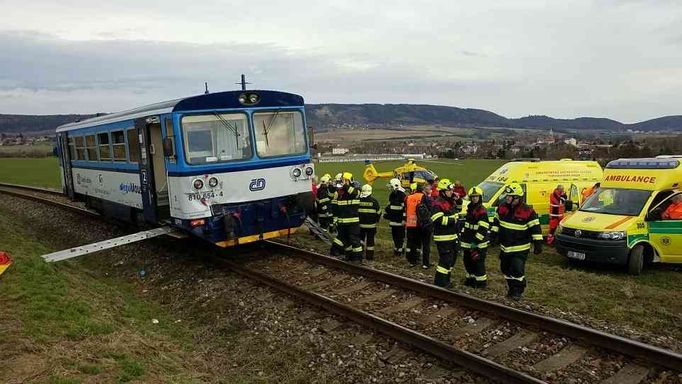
x=218, y=100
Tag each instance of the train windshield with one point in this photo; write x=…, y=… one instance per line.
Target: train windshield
x=616, y=201
x=216, y=137
x=279, y=133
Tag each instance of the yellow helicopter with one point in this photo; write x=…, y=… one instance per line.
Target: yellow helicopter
x=408, y=173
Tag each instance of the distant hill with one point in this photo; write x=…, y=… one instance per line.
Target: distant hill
x=327, y=117
x=36, y=123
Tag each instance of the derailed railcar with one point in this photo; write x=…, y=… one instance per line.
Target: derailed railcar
x=229, y=167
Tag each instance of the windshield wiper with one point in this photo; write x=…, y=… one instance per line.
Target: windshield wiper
x=229, y=126
x=267, y=129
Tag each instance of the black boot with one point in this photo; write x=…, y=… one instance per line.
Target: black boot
x=481, y=284
x=470, y=282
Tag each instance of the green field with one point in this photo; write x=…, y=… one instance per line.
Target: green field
x=469, y=172
x=43, y=172
x=37, y=150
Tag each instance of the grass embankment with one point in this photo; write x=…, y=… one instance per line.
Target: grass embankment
x=42, y=172
x=60, y=324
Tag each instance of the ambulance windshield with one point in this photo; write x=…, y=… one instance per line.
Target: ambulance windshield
x=489, y=189
x=616, y=201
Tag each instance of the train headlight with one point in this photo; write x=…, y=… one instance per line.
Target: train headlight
x=212, y=182
x=296, y=172
x=309, y=171
x=249, y=98
x=198, y=184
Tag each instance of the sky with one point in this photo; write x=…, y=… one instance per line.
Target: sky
x=566, y=59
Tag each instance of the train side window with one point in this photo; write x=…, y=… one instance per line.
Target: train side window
x=118, y=144
x=133, y=145
x=104, y=149
x=80, y=148
x=91, y=147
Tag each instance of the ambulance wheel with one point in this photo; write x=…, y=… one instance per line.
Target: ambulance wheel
x=636, y=261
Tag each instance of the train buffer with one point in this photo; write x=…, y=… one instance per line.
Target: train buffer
x=107, y=244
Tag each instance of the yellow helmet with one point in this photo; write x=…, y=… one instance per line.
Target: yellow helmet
x=475, y=191
x=347, y=176
x=514, y=189
x=326, y=178
x=413, y=186
x=444, y=184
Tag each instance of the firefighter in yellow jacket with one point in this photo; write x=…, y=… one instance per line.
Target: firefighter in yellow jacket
x=370, y=213
x=516, y=225
x=444, y=217
x=346, y=201
x=474, y=240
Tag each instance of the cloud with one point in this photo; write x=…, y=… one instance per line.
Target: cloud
x=609, y=58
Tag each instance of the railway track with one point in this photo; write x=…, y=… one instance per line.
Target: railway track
x=496, y=341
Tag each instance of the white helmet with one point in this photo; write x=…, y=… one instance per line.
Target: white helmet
x=366, y=190
x=394, y=183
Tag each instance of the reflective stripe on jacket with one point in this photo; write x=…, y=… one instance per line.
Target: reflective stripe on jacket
x=516, y=227
x=444, y=220
x=476, y=226
x=395, y=210
x=369, y=212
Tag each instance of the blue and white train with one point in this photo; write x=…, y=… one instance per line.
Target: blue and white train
x=229, y=167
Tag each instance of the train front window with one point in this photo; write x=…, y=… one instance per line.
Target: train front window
x=216, y=137
x=279, y=133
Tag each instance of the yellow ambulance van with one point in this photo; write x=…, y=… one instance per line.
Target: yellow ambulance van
x=634, y=218
x=538, y=180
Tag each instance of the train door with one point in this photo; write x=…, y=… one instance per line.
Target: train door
x=65, y=162
x=152, y=169
x=156, y=134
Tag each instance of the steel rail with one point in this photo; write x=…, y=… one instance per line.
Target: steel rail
x=418, y=340
x=652, y=354
x=6, y=189
x=32, y=188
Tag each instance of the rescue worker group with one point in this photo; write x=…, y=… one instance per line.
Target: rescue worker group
x=433, y=211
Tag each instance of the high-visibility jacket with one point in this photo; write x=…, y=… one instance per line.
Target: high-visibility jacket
x=369, y=212
x=673, y=212
x=411, y=203
x=395, y=210
x=323, y=201
x=557, y=201
x=476, y=226
x=346, y=201
x=444, y=220
x=516, y=227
